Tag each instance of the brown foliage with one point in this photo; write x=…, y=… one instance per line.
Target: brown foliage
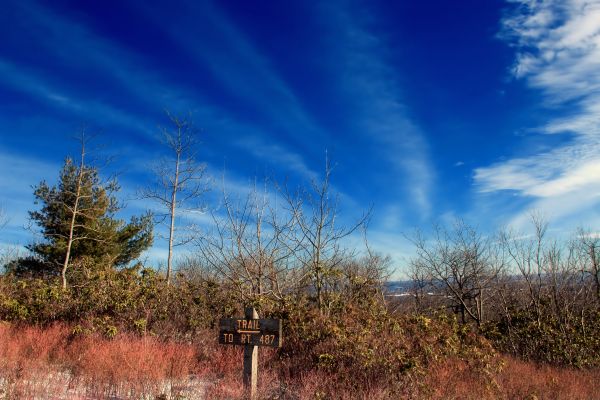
x=35, y=361
x=516, y=380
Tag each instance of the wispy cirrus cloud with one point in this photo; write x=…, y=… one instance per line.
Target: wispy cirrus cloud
x=134, y=76
x=239, y=66
x=73, y=44
x=277, y=155
x=38, y=86
x=557, y=46
x=382, y=116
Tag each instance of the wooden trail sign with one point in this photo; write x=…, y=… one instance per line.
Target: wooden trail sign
x=250, y=332
x=256, y=332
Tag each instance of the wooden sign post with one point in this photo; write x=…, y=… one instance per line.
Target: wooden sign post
x=250, y=332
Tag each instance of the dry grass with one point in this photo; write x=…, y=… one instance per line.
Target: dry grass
x=53, y=363
x=516, y=380
x=522, y=380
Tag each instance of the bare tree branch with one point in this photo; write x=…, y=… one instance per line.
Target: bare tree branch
x=179, y=179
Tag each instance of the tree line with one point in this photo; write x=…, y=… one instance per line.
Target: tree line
x=264, y=250
x=535, y=296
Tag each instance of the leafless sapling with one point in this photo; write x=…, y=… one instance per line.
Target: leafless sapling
x=180, y=182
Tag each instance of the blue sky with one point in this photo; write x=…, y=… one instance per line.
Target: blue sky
x=484, y=110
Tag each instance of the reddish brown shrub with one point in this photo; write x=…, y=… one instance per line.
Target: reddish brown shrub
x=516, y=380
x=520, y=380
x=93, y=364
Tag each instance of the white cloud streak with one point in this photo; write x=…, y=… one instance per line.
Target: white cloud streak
x=36, y=85
x=135, y=77
x=239, y=65
x=557, y=46
x=276, y=154
x=368, y=79
x=86, y=50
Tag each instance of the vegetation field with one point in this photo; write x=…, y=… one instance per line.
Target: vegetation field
x=54, y=363
x=486, y=316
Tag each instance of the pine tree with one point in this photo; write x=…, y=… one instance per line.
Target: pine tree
x=77, y=219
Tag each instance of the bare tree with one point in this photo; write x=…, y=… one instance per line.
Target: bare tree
x=549, y=284
x=248, y=246
x=527, y=257
x=180, y=180
x=589, y=249
x=318, y=235
x=75, y=209
x=421, y=284
x=274, y=242
x=462, y=264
